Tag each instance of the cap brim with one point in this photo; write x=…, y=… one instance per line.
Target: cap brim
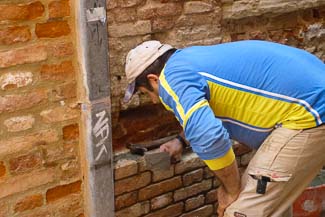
x=129, y=92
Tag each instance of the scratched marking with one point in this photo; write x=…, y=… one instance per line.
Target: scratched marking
x=101, y=131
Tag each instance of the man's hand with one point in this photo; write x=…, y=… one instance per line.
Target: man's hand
x=224, y=200
x=174, y=148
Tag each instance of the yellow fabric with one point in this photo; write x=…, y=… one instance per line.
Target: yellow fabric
x=219, y=163
x=257, y=110
x=195, y=107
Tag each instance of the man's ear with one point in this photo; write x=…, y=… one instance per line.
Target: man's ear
x=152, y=78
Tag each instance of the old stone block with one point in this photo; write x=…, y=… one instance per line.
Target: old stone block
x=70, y=132
x=20, y=123
x=130, y=29
x=132, y=183
x=170, y=211
x=58, y=72
x=156, y=9
x=246, y=158
x=205, y=211
x=240, y=149
x=189, y=162
x=136, y=210
x=59, y=8
x=158, y=175
x=70, y=205
x=29, y=202
x=124, y=168
x=4, y=208
x=52, y=29
x=2, y=169
x=129, y=3
x=58, y=114
x=27, y=54
x=126, y=200
x=64, y=91
x=10, y=103
x=161, y=201
x=160, y=188
x=27, y=142
x=25, y=163
x=194, y=202
x=60, y=49
x=70, y=170
x=26, y=181
x=16, y=34
x=163, y=24
x=28, y=11
x=192, y=177
x=61, y=191
x=192, y=190
x=193, y=7
x=16, y=79
x=121, y=15
x=212, y=196
x=208, y=173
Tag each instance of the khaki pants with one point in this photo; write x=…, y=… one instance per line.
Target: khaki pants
x=291, y=159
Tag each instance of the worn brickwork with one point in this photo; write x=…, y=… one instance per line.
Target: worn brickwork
x=39, y=116
x=189, y=188
x=184, y=23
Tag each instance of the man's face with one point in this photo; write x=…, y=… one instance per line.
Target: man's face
x=154, y=95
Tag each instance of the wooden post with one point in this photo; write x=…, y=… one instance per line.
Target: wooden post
x=96, y=147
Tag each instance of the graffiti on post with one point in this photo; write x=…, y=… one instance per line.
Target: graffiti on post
x=101, y=132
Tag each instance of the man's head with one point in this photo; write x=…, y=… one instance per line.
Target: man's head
x=143, y=66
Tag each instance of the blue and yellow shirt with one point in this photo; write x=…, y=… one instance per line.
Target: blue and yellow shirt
x=241, y=91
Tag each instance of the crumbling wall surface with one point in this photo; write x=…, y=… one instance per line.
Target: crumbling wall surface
x=201, y=22
x=39, y=164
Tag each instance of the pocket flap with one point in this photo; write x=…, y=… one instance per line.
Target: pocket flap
x=274, y=176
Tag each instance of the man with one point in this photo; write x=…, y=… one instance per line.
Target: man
x=268, y=96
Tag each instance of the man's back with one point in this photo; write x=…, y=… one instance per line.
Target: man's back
x=251, y=86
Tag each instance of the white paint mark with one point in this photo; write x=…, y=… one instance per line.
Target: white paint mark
x=309, y=206
x=101, y=131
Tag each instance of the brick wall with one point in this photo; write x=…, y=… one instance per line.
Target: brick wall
x=184, y=23
x=39, y=163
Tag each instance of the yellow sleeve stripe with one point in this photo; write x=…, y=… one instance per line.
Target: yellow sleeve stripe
x=169, y=90
x=195, y=107
x=219, y=163
x=166, y=106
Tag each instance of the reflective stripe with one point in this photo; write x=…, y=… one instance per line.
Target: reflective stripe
x=281, y=96
x=166, y=106
x=222, y=162
x=195, y=107
x=170, y=91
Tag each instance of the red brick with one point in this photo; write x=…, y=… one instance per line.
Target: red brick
x=58, y=72
x=59, y=9
x=160, y=188
x=212, y=196
x=65, y=91
x=161, y=201
x=192, y=190
x=52, y=29
x=27, y=142
x=159, y=10
x=159, y=175
x=4, y=208
x=126, y=200
x=12, y=35
x=60, y=49
x=192, y=177
x=58, y=192
x=17, y=79
x=205, y=211
x=136, y=210
x=132, y=183
x=58, y=114
x=124, y=168
x=170, y=211
x=2, y=169
x=27, y=54
x=21, y=11
x=189, y=162
x=70, y=132
x=70, y=205
x=163, y=24
x=70, y=170
x=124, y=15
x=208, y=173
x=29, y=202
x=10, y=103
x=194, y=202
x=20, y=123
x=25, y=162
x=193, y=7
x=26, y=181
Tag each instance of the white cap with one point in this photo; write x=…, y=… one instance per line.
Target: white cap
x=138, y=59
